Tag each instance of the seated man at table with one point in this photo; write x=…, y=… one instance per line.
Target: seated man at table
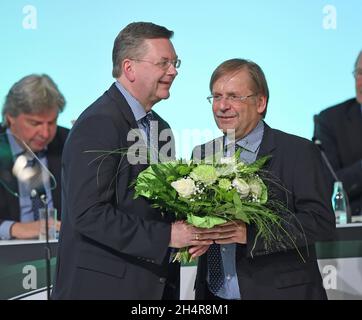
x=30, y=114
x=339, y=128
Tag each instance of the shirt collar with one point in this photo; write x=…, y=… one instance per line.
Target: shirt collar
x=137, y=109
x=251, y=141
x=16, y=149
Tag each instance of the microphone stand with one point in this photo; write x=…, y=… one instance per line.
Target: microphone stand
x=43, y=198
x=318, y=143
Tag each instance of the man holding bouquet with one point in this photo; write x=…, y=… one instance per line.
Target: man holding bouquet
x=111, y=245
x=240, y=265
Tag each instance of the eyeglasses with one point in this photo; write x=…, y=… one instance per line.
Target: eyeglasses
x=357, y=73
x=164, y=64
x=232, y=98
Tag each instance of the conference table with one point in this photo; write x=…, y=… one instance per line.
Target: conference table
x=340, y=263
x=23, y=268
x=23, y=272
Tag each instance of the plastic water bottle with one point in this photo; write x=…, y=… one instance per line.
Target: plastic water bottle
x=339, y=203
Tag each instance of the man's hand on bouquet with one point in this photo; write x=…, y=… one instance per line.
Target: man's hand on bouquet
x=197, y=251
x=185, y=235
x=230, y=232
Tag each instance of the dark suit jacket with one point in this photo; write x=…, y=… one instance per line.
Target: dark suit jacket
x=9, y=204
x=339, y=128
x=279, y=272
x=111, y=246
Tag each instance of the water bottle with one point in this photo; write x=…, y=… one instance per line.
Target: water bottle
x=339, y=203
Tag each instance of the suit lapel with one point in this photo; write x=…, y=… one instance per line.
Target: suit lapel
x=6, y=165
x=122, y=106
x=54, y=166
x=267, y=144
x=8, y=181
x=127, y=114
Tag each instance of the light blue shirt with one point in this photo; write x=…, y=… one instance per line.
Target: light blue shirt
x=139, y=113
x=250, y=145
x=137, y=109
x=26, y=213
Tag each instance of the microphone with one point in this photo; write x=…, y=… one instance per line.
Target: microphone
x=33, y=193
x=39, y=193
x=43, y=198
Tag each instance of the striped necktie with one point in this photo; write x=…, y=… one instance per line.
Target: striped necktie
x=146, y=122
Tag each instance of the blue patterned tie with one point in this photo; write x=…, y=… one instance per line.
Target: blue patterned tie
x=146, y=122
x=216, y=270
x=36, y=204
x=214, y=259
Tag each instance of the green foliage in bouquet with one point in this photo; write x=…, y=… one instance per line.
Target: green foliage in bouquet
x=207, y=194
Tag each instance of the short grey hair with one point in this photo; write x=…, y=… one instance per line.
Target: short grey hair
x=129, y=44
x=31, y=95
x=256, y=75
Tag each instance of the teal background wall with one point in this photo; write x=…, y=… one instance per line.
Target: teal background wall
x=306, y=48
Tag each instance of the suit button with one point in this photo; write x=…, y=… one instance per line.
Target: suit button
x=162, y=280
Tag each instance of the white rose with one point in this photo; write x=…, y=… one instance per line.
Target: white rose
x=184, y=187
x=242, y=187
x=255, y=188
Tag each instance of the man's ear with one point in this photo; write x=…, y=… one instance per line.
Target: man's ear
x=128, y=69
x=261, y=103
x=9, y=120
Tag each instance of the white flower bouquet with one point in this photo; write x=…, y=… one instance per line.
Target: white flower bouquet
x=207, y=194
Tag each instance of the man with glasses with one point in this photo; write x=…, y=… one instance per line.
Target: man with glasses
x=237, y=266
x=339, y=128
x=112, y=246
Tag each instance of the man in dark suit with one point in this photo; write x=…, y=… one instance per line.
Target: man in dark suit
x=245, y=268
x=339, y=128
x=111, y=245
x=30, y=114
